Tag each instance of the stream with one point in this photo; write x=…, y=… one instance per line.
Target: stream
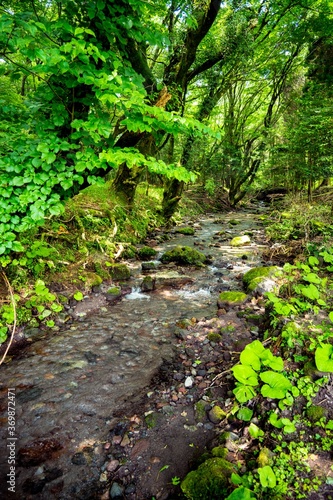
x=69, y=388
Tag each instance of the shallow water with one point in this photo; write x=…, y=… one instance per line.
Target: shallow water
x=70, y=386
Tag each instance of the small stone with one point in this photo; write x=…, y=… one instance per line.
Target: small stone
x=116, y=440
x=130, y=489
x=125, y=441
x=103, y=477
x=112, y=465
x=116, y=491
x=188, y=382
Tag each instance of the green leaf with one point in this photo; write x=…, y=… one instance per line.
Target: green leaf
x=78, y=296
x=324, y=358
x=312, y=278
x=311, y=292
x=313, y=261
x=245, y=414
x=245, y=375
x=276, y=385
x=244, y=393
x=49, y=157
x=275, y=421
x=255, y=432
x=273, y=362
x=267, y=477
x=241, y=493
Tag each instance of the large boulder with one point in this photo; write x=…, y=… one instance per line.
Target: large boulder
x=119, y=272
x=228, y=299
x=210, y=481
x=184, y=256
x=260, y=279
x=240, y=241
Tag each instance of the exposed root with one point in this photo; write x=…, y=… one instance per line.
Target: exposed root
x=12, y=299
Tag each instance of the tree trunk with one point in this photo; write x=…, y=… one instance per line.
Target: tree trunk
x=172, y=194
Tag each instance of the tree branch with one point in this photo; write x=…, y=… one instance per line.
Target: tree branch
x=209, y=63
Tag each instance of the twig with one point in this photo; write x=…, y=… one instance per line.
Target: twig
x=15, y=317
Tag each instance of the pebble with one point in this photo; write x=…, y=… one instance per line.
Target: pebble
x=116, y=491
x=189, y=382
x=112, y=465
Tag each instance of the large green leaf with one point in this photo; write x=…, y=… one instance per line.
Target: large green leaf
x=245, y=375
x=276, y=385
x=244, y=393
x=324, y=358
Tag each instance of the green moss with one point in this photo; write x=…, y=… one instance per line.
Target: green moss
x=210, y=481
x=214, y=337
x=185, y=230
x=115, y=290
x=146, y=252
x=103, y=273
x=216, y=414
x=184, y=255
x=265, y=457
x=219, y=451
x=230, y=298
x=93, y=279
x=119, y=272
x=234, y=222
x=200, y=411
x=239, y=241
x=315, y=413
x=254, y=276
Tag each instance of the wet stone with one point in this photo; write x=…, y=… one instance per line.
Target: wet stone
x=116, y=491
x=79, y=459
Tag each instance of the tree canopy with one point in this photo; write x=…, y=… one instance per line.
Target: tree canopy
x=184, y=90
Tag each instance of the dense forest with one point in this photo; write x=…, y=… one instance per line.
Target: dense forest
x=119, y=118
x=233, y=95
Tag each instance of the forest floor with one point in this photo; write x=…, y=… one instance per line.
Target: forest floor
x=188, y=415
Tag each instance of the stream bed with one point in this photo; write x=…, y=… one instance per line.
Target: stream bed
x=72, y=388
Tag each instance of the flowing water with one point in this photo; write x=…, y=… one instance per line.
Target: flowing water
x=70, y=386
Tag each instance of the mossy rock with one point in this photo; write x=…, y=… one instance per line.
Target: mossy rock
x=92, y=279
x=214, y=337
x=148, y=284
x=253, y=277
x=114, y=290
x=265, y=457
x=99, y=269
x=119, y=272
x=184, y=255
x=315, y=413
x=234, y=222
x=227, y=299
x=185, y=230
x=216, y=414
x=146, y=253
x=210, y=481
x=240, y=241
